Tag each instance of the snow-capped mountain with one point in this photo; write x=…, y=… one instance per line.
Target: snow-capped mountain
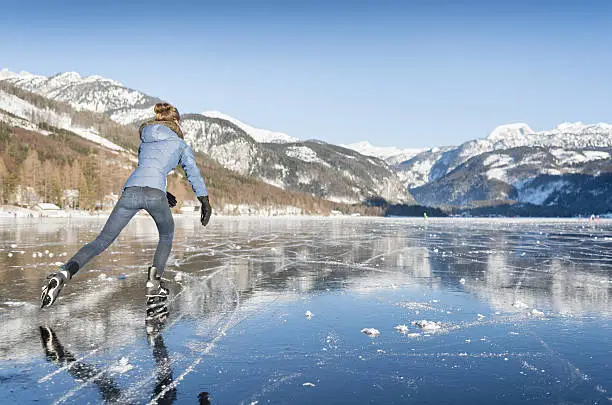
x=555, y=177
x=313, y=167
x=566, y=167
x=110, y=97
x=7, y=74
x=389, y=154
x=90, y=93
x=260, y=135
x=513, y=163
x=569, y=136
x=18, y=112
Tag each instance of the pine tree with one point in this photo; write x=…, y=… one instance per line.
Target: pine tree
x=90, y=193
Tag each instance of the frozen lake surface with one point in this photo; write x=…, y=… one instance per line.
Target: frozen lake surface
x=308, y=311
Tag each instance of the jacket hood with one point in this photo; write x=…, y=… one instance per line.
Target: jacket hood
x=154, y=131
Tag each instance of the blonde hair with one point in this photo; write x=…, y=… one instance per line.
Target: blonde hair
x=166, y=112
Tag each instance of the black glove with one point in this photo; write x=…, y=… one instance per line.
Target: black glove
x=206, y=210
x=171, y=199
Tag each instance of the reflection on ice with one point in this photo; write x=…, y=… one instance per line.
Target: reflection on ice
x=264, y=258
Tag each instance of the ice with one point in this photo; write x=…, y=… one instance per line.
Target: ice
x=122, y=366
x=520, y=305
x=402, y=328
x=427, y=326
x=308, y=315
x=370, y=331
x=523, y=307
x=309, y=384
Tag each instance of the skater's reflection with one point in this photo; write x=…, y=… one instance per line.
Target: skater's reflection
x=56, y=353
x=162, y=361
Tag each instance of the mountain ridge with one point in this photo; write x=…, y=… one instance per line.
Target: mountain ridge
x=512, y=163
x=296, y=166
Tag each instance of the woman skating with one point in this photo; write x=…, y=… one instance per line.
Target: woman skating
x=161, y=149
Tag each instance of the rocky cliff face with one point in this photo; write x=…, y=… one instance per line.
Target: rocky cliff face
x=315, y=167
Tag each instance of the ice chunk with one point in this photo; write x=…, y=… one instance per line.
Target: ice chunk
x=402, y=328
x=480, y=316
x=308, y=315
x=520, y=305
x=462, y=281
x=308, y=384
x=104, y=277
x=535, y=312
x=370, y=331
x=427, y=325
x=122, y=366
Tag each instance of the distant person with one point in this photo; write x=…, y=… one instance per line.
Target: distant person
x=161, y=149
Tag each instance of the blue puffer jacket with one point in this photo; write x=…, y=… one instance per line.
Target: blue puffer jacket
x=160, y=151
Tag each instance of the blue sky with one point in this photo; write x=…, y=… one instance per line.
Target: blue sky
x=407, y=74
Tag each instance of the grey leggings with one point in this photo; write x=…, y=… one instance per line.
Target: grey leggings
x=132, y=200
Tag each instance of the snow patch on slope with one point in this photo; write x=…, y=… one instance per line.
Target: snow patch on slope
x=391, y=155
x=504, y=132
x=7, y=74
x=539, y=195
x=30, y=113
x=306, y=154
x=571, y=157
x=258, y=134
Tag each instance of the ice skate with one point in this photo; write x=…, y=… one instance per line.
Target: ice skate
x=157, y=295
x=51, y=290
x=155, y=286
